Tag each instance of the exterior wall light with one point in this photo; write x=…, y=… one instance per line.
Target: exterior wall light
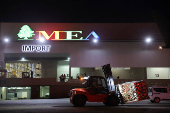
x=148, y=40
x=68, y=58
x=95, y=40
x=41, y=39
x=6, y=40
x=23, y=58
x=160, y=47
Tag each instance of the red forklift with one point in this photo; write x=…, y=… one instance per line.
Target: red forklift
x=96, y=89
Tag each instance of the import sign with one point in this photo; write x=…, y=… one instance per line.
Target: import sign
x=36, y=48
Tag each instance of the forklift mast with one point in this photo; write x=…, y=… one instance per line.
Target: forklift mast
x=108, y=76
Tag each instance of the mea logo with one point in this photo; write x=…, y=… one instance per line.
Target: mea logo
x=26, y=32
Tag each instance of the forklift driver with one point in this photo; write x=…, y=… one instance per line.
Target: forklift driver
x=94, y=83
x=93, y=88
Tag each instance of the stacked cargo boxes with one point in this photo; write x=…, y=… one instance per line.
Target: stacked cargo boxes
x=133, y=91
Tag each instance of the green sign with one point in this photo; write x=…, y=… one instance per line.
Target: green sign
x=25, y=33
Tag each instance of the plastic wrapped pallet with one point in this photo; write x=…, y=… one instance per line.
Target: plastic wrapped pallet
x=133, y=91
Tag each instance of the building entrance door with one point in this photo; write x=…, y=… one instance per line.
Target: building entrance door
x=44, y=91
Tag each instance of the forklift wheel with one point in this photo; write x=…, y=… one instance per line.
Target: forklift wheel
x=112, y=101
x=79, y=101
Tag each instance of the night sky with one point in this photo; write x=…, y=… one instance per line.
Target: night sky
x=82, y=11
x=89, y=11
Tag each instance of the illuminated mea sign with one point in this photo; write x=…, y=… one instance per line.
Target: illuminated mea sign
x=36, y=48
x=69, y=35
x=26, y=32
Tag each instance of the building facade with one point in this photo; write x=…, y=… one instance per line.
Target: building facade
x=35, y=55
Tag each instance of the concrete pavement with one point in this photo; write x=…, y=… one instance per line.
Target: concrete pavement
x=64, y=106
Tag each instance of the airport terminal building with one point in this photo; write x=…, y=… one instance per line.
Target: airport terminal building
x=33, y=56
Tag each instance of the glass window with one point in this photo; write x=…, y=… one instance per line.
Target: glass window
x=104, y=86
x=149, y=89
x=2, y=74
x=103, y=83
x=99, y=82
x=93, y=82
x=17, y=93
x=161, y=90
x=24, y=70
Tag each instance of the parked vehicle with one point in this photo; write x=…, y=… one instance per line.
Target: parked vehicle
x=158, y=94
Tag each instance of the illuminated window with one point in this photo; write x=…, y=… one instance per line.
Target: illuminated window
x=24, y=70
x=44, y=91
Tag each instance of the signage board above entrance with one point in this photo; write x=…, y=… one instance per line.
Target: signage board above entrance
x=36, y=48
x=26, y=33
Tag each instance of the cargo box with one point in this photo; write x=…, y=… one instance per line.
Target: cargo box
x=133, y=91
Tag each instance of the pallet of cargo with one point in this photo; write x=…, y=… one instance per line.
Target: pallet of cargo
x=133, y=91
